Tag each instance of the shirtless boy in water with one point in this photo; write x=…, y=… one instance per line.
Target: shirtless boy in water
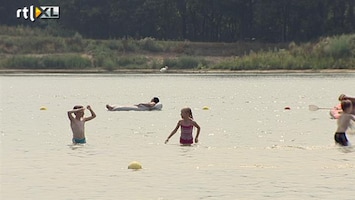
x=77, y=123
x=344, y=123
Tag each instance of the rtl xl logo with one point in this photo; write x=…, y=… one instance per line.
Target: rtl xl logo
x=35, y=12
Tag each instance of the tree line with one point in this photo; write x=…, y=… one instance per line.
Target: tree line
x=195, y=20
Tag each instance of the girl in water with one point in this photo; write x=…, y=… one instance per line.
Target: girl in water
x=186, y=123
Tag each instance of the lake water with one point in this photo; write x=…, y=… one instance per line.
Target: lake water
x=250, y=146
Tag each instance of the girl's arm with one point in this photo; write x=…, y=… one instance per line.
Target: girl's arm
x=93, y=115
x=173, y=132
x=198, y=131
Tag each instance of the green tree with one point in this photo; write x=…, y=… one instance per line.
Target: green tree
x=195, y=20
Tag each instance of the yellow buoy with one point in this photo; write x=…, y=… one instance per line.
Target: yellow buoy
x=205, y=108
x=43, y=108
x=134, y=165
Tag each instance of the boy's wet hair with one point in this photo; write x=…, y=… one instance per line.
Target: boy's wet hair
x=345, y=104
x=155, y=100
x=77, y=107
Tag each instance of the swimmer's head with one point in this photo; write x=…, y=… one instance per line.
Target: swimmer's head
x=186, y=113
x=346, y=105
x=80, y=112
x=77, y=107
x=155, y=100
x=341, y=97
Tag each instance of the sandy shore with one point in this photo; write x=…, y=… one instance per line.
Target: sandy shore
x=180, y=71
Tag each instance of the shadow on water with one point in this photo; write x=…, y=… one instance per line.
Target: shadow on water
x=76, y=146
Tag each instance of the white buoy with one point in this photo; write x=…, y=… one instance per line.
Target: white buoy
x=134, y=165
x=164, y=69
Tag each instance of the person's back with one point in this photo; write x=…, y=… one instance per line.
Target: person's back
x=186, y=129
x=344, y=122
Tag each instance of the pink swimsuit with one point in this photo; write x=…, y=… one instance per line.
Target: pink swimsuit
x=186, y=134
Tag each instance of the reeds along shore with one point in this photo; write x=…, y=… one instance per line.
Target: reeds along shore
x=33, y=49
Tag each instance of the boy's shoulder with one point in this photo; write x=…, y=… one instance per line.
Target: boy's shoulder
x=345, y=116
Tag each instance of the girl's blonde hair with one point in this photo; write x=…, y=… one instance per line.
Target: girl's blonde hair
x=188, y=110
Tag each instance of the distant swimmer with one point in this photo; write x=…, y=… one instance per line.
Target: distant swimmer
x=187, y=123
x=344, y=122
x=77, y=123
x=149, y=105
x=164, y=69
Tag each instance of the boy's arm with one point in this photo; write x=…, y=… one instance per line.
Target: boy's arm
x=70, y=113
x=93, y=115
x=344, y=97
x=70, y=116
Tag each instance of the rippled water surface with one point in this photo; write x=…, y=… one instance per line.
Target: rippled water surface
x=250, y=146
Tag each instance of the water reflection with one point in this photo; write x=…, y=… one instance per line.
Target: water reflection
x=250, y=147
